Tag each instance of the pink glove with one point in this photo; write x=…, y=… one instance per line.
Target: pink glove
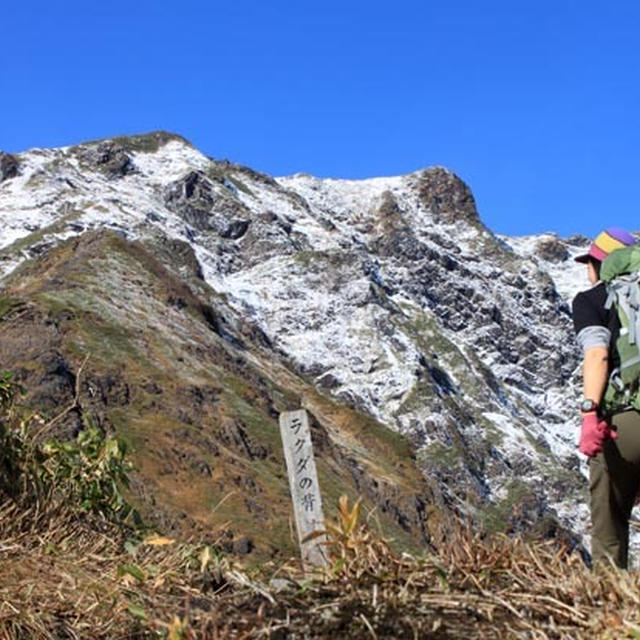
x=593, y=434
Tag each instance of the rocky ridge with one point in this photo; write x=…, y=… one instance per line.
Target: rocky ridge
x=387, y=296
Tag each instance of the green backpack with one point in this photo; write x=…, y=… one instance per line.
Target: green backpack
x=620, y=271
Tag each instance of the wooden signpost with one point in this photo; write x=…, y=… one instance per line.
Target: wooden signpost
x=303, y=483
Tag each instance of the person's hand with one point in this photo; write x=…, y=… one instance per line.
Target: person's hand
x=593, y=434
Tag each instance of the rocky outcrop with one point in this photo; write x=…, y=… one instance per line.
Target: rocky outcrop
x=109, y=158
x=392, y=235
x=206, y=207
x=32, y=349
x=552, y=250
x=446, y=196
x=9, y=166
x=577, y=240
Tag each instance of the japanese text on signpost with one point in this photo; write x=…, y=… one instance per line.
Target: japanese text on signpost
x=303, y=484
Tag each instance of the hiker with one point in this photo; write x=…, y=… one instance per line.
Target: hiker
x=610, y=432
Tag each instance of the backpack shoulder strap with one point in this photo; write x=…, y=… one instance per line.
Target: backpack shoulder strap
x=624, y=292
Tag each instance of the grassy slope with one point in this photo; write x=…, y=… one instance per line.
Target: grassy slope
x=198, y=412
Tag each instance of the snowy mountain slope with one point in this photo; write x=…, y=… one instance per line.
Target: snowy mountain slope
x=389, y=294
x=555, y=256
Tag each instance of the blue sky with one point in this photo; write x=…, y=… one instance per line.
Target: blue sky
x=534, y=104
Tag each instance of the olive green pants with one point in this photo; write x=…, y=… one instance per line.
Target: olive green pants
x=614, y=481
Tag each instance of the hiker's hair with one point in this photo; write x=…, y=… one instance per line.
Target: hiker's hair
x=596, y=265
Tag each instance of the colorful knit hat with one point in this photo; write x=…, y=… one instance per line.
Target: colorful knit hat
x=607, y=241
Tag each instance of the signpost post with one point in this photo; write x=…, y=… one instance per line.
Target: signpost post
x=303, y=483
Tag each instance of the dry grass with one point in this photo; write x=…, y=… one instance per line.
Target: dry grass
x=71, y=566
x=469, y=588
x=67, y=577
x=64, y=577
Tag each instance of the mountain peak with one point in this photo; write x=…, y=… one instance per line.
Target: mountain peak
x=386, y=296
x=446, y=195
x=143, y=142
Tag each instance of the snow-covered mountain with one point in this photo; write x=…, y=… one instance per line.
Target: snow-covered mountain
x=388, y=295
